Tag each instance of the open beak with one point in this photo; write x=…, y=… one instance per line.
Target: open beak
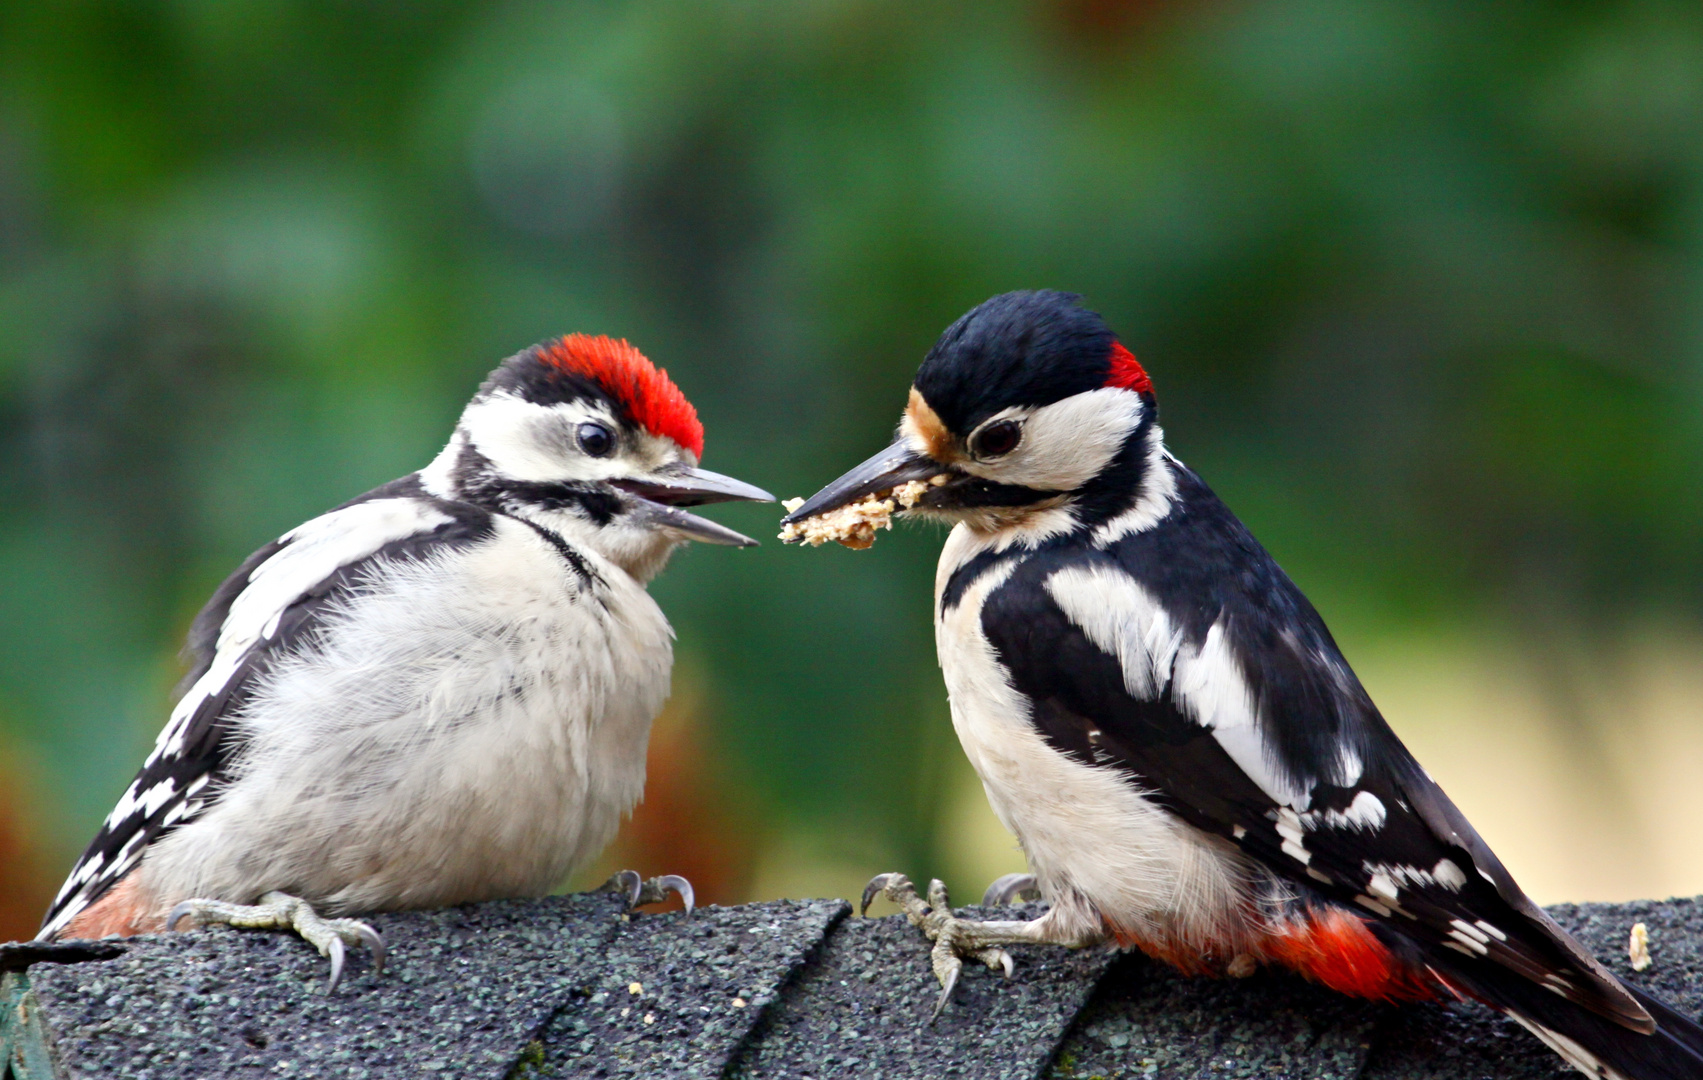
x=660, y=498
x=898, y=464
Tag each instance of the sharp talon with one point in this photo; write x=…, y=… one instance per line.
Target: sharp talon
x=628, y=882
x=677, y=884
x=375, y=945
x=177, y=913
x=1008, y=965
x=1010, y=887
x=335, y=951
x=946, y=988
x=876, y=884
x=937, y=898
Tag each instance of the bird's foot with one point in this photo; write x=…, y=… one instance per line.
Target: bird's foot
x=1011, y=887
x=639, y=891
x=955, y=940
x=281, y=911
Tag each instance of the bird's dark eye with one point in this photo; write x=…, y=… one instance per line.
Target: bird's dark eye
x=595, y=439
x=997, y=439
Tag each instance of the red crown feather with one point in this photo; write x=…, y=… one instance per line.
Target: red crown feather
x=644, y=390
x=1127, y=373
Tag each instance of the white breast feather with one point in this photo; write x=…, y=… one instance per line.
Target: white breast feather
x=311, y=553
x=1087, y=831
x=437, y=746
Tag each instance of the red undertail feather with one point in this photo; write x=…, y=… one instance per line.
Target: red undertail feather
x=649, y=395
x=1337, y=949
x=1127, y=373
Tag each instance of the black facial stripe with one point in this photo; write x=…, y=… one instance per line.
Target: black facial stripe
x=967, y=575
x=598, y=505
x=1119, y=485
x=569, y=554
x=975, y=491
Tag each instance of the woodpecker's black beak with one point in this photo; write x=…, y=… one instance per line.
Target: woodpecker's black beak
x=661, y=496
x=898, y=464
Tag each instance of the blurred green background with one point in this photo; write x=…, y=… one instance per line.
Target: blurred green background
x=1420, y=285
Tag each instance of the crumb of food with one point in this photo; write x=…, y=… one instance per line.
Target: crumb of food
x=854, y=525
x=1638, y=950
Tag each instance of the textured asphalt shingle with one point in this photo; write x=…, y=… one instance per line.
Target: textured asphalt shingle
x=543, y=989
x=1148, y=1021
x=465, y=990
x=677, y=999
x=860, y=1009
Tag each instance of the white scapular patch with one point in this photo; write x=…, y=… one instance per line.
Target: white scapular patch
x=501, y=710
x=1086, y=831
x=312, y=552
x=1158, y=494
x=1123, y=619
x=1065, y=444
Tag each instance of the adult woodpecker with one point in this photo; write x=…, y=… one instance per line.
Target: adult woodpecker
x=1166, y=725
x=440, y=691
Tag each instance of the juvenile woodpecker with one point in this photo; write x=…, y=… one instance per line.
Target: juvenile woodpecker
x=1168, y=728
x=440, y=691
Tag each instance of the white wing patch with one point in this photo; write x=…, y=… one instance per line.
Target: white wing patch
x=1366, y=812
x=1124, y=620
x=311, y=553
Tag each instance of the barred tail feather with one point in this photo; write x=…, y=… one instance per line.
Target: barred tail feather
x=1593, y=1044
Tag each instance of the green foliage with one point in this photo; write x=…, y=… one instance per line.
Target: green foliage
x=1417, y=283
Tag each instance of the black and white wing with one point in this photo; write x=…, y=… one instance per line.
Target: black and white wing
x=267, y=608
x=1185, y=658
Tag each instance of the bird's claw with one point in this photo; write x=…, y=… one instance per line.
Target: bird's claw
x=281, y=911
x=1011, y=887
x=639, y=891
x=954, y=938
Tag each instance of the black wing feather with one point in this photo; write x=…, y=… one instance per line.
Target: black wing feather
x=192, y=775
x=1204, y=567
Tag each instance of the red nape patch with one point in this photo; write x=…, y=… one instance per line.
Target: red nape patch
x=1127, y=372
x=1337, y=948
x=646, y=391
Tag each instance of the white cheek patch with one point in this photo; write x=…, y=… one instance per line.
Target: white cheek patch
x=537, y=443
x=1067, y=443
x=1124, y=620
